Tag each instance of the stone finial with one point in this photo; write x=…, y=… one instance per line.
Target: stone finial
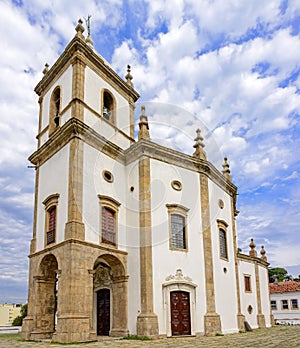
x=199, y=145
x=226, y=170
x=263, y=253
x=80, y=28
x=252, y=246
x=128, y=76
x=46, y=69
x=144, y=126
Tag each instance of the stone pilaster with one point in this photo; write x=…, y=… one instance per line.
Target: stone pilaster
x=147, y=324
x=78, y=75
x=75, y=297
x=74, y=226
x=212, y=321
x=260, y=316
x=240, y=316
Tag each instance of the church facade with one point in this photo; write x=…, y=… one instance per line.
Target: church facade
x=129, y=237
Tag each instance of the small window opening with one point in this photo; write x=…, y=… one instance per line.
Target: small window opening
x=107, y=106
x=56, y=98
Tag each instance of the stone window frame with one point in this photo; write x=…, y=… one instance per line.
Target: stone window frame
x=50, y=202
x=177, y=209
x=113, y=205
x=54, y=110
x=283, y=304
x=112, y=118
x=294, y=306
x=247, y=283
x=222, y=226
x=273, y=305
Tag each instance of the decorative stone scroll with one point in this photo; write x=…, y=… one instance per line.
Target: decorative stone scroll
x=179, y=277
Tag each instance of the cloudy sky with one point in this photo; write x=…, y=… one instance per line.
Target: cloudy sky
x=231, y=67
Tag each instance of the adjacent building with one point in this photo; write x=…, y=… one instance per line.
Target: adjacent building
x=129, y=237
x=285, y=302
x=8, y=312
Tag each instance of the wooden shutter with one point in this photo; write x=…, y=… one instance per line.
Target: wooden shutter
x=51, y=225
x=108, y=226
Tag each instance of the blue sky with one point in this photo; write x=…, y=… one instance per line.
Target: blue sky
x=231, y=67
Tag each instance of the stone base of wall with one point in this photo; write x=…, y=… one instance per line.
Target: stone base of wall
x=261, y=321
x=73, y=328
x=241, y=322
x=147, y=325
x=212, y=324
x=119, y=333
x=27, y=328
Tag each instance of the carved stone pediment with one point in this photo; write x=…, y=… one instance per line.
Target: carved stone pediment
x=178, y=276
x=102, y=277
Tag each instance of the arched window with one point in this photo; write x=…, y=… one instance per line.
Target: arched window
x=109, y=209
x=177, y=226
x=55, y=107
x=108, y=106
x=51, y=203
x=222, y=225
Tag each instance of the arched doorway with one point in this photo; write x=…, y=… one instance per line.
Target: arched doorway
x=46, y=295
x=110, y=297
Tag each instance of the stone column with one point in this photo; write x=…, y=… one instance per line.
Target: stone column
x=75, y=296
x=120, y=307
x=240, y=316
x=75, y=227
x=212, y=321
x=147, y=324
x=260, y=316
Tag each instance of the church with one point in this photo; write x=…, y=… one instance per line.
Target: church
x=129, y=237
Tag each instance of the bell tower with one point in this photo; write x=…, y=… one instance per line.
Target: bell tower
x=86, y=110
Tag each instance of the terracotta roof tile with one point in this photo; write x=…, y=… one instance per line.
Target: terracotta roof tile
x=289, y=286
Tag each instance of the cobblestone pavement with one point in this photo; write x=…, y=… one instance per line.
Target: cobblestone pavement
x=275, y=337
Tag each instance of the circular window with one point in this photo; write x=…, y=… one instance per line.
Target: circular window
x=221, y=203
x=176, y=185
x=107, y=176
x=131, y=188
x=225, y=270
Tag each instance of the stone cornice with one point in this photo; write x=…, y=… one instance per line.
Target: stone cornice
x=251, y=259
x=78, y=50
x=74, y=128
x=82, y=242
x=158, y=152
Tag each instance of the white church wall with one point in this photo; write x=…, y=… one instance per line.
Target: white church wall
x=65, y=82
x=53, y=178
x=94, y=184
x=248, y=299
x=224, y=270
x=132, y=244
x=264, y=291
x=93, y=91
x=166, y=261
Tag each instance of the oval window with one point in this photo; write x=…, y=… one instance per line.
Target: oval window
x=107, y=175
x=176, y=185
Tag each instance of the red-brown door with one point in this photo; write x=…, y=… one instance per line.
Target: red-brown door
x=180, y=313
x=103, y=312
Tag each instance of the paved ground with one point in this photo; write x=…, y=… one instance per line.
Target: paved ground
x=275, y=337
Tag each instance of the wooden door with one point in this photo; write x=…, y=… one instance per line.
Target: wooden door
x=180, y=313
x=103, y=312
